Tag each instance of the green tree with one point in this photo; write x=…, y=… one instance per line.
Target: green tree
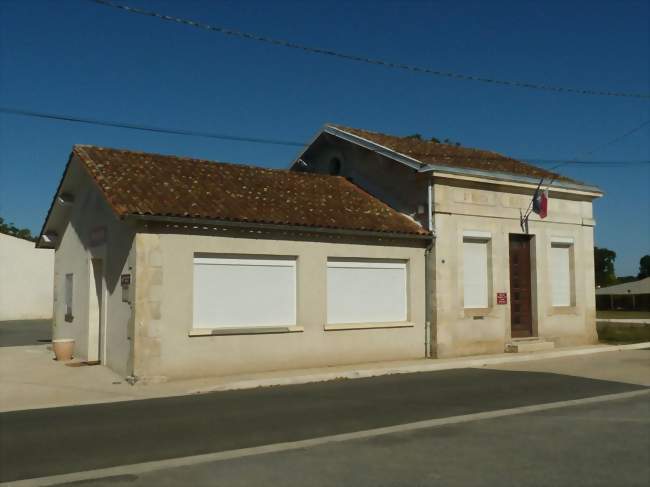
x=624, y=279
x=644, y=267
x=13, y=230
x=604, y=266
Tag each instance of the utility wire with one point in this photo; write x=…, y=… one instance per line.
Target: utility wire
x=367, y=60
x=148, y=128
x=259, y=140
x=543, y=162
x=613, y=141
x=526, y=214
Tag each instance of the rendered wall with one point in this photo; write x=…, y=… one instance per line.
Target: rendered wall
x=26, y=276
x=93, y=231
x=461, y=206
x=164, y=349
x=470, y=205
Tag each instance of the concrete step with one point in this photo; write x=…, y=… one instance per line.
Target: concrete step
x=529, y=345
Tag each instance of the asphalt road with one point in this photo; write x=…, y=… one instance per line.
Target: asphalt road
x=606, y=444
x=44, y=442
x=25, y=332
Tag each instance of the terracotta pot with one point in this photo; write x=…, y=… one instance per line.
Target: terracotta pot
x=63, y=348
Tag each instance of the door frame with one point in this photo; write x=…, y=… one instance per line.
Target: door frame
x=533, y=285
x=97, y=329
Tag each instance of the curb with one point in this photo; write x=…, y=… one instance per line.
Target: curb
x=431, y=366
x=339, y=373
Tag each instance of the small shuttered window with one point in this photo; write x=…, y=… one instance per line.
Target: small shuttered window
x=68, y=296
x=561, y=279
x=475, y=272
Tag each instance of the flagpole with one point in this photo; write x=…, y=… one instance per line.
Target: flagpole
x=523, y=219
x=528, y=210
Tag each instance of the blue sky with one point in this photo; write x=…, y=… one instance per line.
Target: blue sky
x=78, y=58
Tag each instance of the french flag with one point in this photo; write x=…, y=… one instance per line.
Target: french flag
x=540, y=202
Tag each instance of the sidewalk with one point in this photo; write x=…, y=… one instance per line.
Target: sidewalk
x=31, y=379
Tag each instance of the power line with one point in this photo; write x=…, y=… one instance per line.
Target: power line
x=367, y=60
x=613, y=141
x=260, y=140
x=543, y=162
x=524, y=217
x=148, y=128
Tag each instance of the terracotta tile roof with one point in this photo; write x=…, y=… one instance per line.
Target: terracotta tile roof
x=152, y=184
x=430, y=152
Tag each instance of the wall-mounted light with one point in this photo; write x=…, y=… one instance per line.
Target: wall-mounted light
x=65, y=199
x=50, y=237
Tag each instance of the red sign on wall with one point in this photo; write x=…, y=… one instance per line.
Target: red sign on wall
x=502, y=298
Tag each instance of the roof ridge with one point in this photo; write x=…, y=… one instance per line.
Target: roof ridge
x=77, y=147
x=420, y=140
x=428, y=152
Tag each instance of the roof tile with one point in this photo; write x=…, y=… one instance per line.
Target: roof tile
x=431, y=152
x=162, y=185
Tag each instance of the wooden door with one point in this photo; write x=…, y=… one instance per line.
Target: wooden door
x=521, y=315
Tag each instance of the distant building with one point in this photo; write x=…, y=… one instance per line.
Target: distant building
x=26, y=277
x=629, y=296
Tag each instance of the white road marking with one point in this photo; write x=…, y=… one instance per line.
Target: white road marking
x=141, y=468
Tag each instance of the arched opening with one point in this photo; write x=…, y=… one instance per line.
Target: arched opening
x=335, y=166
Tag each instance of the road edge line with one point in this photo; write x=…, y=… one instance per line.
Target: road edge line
x=145, y=467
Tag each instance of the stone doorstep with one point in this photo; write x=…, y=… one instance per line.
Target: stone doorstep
x=532, y=344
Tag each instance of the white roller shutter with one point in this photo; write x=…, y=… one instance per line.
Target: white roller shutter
x=239, y=292
x=366, y=292
x=561, y=274
x=475, y=273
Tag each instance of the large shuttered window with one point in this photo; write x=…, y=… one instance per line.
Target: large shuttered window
x=244, y=291
x=366, y=291
x=475, y=270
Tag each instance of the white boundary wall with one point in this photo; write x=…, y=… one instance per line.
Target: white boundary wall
x=26, y=277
